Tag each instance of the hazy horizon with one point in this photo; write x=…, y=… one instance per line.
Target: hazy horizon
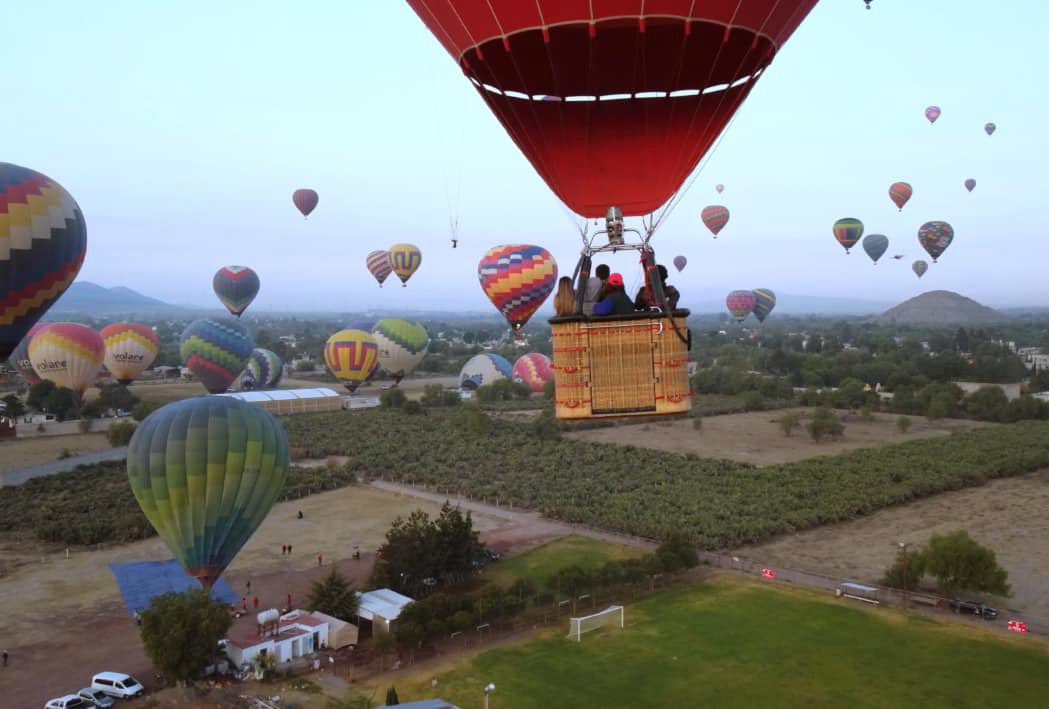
x=182, y=131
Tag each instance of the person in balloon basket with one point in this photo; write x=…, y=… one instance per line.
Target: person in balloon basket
x=564, y=301
x=593, y=288
x=645, y=299
x=613, y=299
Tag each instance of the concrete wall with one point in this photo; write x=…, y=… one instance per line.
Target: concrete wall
x=64, y=428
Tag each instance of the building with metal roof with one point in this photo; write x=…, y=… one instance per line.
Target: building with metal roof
x=292, y=401
x=382, y=607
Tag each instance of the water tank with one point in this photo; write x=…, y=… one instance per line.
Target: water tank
x=268, y=616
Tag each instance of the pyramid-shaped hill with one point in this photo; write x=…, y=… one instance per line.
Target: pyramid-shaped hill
x=940, y=307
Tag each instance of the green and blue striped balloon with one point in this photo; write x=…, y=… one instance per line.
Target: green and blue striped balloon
x=216, y=351
x=206, y=472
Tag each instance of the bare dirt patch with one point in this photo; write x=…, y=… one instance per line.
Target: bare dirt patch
x=1006, y=515
x=24, y=452
x=757, y=439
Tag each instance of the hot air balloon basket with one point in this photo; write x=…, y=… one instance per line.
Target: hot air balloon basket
x=633, y=365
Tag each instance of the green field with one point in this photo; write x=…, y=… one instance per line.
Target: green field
x=541, y=563
x=734, y=644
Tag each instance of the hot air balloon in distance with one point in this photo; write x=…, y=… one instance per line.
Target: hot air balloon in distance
x=216, y=351
x=715, y=217
x=932, y=113
x=740, y=303
x=236, y=287
x=402, y=346
x=935, y=237
x=534, y=370
x=875, y=245
x=680, y=262
x=305, y=201
x=544, y=53
x=68, y=354
x=130, y=350
x=379, y=265
x=848, y=231
x=919, y=267
x=719, y=188
x=484, y=369
x=868, y=3
x=405, y=260
x=352, y=356
x=20, y=357
x=899, y=193
x=970, y=184
x=265, y=367
x=43, y=240
x=517, y=279
x=989, y=128
x=206, y=472
x=764, y=302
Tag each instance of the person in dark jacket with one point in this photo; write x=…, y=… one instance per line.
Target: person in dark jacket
x=613, y=299
x=645, y=300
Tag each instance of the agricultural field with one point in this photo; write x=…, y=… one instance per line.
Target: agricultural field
x=25, y=452
x=540, y=564
x=731, y=643
x=756, y=438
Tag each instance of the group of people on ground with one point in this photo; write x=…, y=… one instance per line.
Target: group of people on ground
x=605, y=294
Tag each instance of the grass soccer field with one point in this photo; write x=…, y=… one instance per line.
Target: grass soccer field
x=732, y=643
x=541, y=563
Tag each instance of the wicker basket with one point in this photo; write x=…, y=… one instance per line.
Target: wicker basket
x=635, y=365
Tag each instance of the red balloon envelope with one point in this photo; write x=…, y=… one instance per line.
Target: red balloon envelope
x=614, y=102
x=305, y=201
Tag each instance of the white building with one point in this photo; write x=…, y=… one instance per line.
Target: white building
x=382, y=607
x=295, y=634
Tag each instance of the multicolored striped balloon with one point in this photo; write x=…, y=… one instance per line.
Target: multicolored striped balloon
x=875, y=245
x=484, y=369
x=379, y=265
x=130, y=350
x=517, y=279
x=935, y=237
x=266, y=368
x=715, y=217
x=216, y=351
x=534, y=370
x=848, y=231
x=352, y=356
x=43, y=240
x=402, y=346
x=764, y=302
x=740, y=303
x=20, y=357
x=899, y=193
x=236, y=287
x=206, y=472
x=68, y=354
x=405, y=260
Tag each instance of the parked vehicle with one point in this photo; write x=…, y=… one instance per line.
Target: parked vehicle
x=70, y=701
x=95, y=697
x=974, y=608
x=117, y=684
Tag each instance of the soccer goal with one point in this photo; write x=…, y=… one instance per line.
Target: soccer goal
x=612, y=616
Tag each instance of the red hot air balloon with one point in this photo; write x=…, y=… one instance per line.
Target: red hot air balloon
x=613, y=102
x=741, y=304
x=715, y=217
x=305, y=201
x=899, y=193
x=932, y=113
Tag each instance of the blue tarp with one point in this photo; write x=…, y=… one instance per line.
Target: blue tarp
x=142, y=581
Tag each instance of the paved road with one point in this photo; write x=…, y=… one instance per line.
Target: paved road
x=17, y=477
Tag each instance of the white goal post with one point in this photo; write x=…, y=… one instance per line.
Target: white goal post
x=613, y=615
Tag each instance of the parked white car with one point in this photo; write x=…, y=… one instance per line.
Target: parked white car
x=117, y=684
x=96, y=697
x=70, y=701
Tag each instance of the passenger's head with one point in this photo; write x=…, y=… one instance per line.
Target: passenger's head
x=564, y=285
x=603, y=271
x=615, y=282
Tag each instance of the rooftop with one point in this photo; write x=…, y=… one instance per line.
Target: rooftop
x=384, y=602
x=284, y=394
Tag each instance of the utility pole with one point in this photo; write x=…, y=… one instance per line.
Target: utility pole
x=906, y=576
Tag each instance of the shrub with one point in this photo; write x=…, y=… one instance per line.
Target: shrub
x=788, y=423
x=550, y=390
x=958, y=563
x=903, y=423
x=120, y=433
x=896, y=577
x=392, y=398
x=435, y=395
x=503, y=390
x=544, y=426
x=474, y=420
x=413, y=407
x=753, y=401
x=697, y=422
x=143, y=409
x=84, y=424
x=825, y=423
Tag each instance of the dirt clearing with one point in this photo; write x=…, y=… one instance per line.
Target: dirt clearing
x=756, y=437
x=24, y=452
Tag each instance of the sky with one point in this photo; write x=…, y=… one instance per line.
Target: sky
x=181, y=128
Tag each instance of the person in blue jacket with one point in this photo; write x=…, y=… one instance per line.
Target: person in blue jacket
x=613, y=299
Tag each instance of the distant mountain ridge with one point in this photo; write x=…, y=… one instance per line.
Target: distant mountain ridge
x=940, y=307
x=91, y=298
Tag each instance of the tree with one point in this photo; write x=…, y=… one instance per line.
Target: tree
x=544, y=427
x=61, y=403
x=789, y=422
x=143, y=409
x=38, y=393
x=678, y=545
x=436, y=395
x=987, y=403
x=335, y=596
x=120, y=432
x=906, y=571
x=383, y=644
x=903, y=423
x=392, y=398
x=753, y=401
x=181, y=631
x=13, y=407
x=391, y=697
x=959, y=563
x=825, y=423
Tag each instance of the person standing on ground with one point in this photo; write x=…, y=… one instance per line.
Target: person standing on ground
x=320, y=559
x=283, y=549
x=5, y=658
x=255, y=602
x=289, y=549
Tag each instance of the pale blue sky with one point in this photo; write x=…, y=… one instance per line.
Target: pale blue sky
x=182, y=128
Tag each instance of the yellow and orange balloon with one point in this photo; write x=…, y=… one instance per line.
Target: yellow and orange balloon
x=68, y=354
x=130, y=350
x=352, y=356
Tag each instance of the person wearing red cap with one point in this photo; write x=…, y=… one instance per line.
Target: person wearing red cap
x=614, y=300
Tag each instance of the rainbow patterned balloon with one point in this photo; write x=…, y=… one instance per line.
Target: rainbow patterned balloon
x=265, y=368
x=236, y=287
x=216, y=351
x=741, y=304
x=405, y=260
x=935, y=237
x=68, y=354
x=517, y=279
x=534, y=370
x=379, y=265
x=130, y=350
x=352, y=356
x=43, y=240
x=764, y=302
x=715, y=217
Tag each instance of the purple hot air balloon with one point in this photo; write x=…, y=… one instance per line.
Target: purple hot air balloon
x=970, y=184
x=720, y=188
x=305, y=201
x=932, y=113
x=680, y=262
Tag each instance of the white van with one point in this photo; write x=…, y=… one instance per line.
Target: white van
x=117, y=684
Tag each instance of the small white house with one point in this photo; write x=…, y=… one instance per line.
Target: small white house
x=295, y=634
x=382, y=607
